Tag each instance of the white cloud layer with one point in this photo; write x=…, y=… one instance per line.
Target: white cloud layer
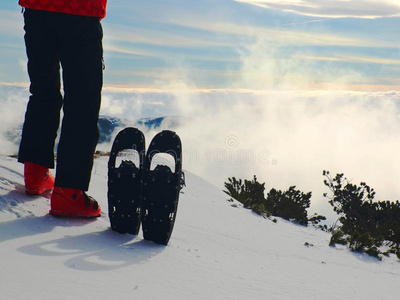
x=334, y=8
x=285, y=138
x=13, y=100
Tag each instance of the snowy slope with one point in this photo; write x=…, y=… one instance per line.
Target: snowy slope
x=216, y=252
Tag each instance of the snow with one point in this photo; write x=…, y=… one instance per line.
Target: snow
x=217, y=251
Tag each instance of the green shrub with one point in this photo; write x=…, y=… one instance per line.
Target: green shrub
x=337, y=238
x=290, y=205
x=366, y=222
x=248, y=192
x=374, y=251
x=315, y=219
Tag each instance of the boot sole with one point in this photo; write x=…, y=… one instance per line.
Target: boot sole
x=33, y=192
x=62, y=214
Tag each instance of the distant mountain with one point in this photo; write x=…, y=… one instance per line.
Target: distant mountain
x=107, y=126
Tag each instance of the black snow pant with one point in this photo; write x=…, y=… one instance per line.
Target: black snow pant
x=75, y=42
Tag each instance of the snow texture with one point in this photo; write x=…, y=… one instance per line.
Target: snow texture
x=218, y=250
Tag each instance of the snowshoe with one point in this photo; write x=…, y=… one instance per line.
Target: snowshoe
x=161, y=187
x=124, y=182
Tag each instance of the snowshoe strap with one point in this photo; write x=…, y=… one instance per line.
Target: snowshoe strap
x=182, y=182
x=128, y=138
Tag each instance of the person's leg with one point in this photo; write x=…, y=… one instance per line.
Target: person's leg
x=43, y=111
x=82, y=64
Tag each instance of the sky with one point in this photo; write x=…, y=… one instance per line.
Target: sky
x=227, y=44
x=278, y=89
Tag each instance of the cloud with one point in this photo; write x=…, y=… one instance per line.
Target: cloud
x=360, y=59
x=125, y=50
x=334, y=8
x=209, y=44
x=303, y=57
x=291, y=36
x=160, y=37
x=284, y=137
x=13, y=100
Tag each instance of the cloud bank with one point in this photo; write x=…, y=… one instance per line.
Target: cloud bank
x=284, y=137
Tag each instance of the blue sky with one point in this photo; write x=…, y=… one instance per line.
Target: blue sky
x=226, y=44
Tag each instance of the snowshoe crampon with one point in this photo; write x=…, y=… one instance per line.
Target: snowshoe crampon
x=124, y=182
x=161, y=187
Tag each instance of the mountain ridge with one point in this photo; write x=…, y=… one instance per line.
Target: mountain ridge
x=108, y=125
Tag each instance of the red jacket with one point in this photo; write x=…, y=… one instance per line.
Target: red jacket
x=92, y=8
